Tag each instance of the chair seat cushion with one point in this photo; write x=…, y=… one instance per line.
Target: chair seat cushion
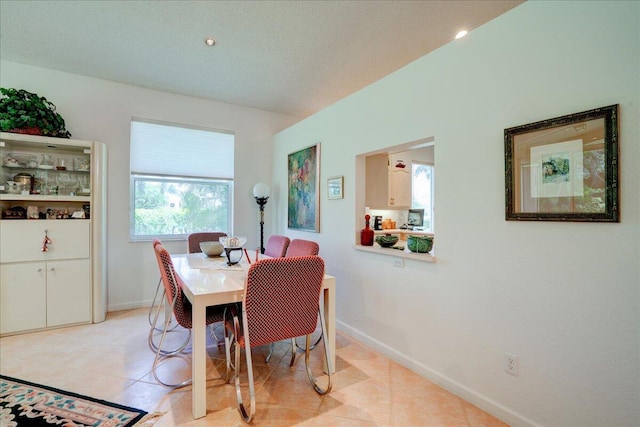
x=213, y=314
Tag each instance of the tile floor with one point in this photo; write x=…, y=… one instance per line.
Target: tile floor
x=111, y=361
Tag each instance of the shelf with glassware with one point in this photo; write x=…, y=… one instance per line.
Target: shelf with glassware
x=50, y=175
x=51, y=189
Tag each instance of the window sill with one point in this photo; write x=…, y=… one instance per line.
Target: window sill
x=406, y=253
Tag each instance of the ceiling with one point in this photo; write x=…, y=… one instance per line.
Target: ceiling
x=292, y=57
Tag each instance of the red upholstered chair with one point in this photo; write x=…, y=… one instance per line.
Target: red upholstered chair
x=158, y=304
x=281, y=301
x=156, y=242
x=181, y=308
x=300, y=247
x=276, y=246
x=194, y=239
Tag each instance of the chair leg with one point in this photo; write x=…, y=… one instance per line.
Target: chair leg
x=167, y=328
x=271, y=347
x=307, y=363
x=232, y=340
x=229, y=340
x=160, y=356
x=212, y=332
x=315, y=344
x=161, y=303
x=293, y=352
x=153, y=303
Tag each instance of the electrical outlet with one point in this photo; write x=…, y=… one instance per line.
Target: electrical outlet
x=398, y=262
x=511, y=364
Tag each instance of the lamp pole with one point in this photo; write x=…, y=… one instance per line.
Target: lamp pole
x=261, y=193
x=261, y=202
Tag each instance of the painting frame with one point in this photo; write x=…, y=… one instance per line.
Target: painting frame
x=303, y=189
x=335, y=187
x=564, y=168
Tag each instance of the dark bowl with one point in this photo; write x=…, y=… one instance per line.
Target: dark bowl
x=387, y=240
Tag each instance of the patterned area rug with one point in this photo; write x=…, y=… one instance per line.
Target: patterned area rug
x=24, y=404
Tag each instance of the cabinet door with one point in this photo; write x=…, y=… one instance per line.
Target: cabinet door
x=22, y=297
x=68, y=292
x=400, y=188
x=376, y=196
x=22, y=239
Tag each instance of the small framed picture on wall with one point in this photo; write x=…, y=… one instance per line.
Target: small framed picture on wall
x=335, y=186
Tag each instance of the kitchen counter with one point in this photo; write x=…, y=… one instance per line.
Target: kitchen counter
x=402, y=233
x=402, y=253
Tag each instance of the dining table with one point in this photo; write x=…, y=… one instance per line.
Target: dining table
x=210, y=281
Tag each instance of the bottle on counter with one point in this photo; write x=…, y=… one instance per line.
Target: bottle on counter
x=366, y=234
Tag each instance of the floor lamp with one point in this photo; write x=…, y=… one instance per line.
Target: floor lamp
x=261, y=194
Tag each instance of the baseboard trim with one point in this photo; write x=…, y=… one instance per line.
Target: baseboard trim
x=483, y=402
x=128, y=306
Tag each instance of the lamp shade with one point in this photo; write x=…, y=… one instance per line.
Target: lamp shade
x=261, y=190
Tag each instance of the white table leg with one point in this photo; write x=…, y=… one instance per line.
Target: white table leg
x=329, y=293
x=198, y=362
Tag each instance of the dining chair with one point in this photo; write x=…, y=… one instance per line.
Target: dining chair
x=159, y=305
x=301, y=247
x=281, y=301
x=155, y=297
x=194, y=239
x=193, y=246
x=276, y=246
x=180, y=307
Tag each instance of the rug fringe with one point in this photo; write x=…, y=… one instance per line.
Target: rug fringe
x=149, y=419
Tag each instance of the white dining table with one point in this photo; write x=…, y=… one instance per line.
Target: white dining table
x=209, y=281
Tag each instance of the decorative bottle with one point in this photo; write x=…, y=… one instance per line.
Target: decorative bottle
x=366, y=234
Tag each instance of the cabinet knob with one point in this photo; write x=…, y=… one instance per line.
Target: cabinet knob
x=52, y=269
x=39, y=270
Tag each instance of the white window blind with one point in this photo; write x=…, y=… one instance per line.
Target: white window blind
x=176, y=150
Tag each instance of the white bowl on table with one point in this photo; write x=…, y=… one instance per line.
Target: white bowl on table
x=211, y=249
x=233, y=242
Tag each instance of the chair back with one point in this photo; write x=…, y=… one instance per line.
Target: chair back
x=173, y=287
x=194, y=239
x=300, y=247
x=276, y=246
x=282, y=298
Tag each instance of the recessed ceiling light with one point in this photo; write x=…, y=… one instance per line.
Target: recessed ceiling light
x=461, y=34
x=210, y=41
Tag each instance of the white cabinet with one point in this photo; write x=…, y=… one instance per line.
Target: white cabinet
x=377, y=181
x=387, y=185
x=68, y=296
x=66, y=283
x=23, y=296
x=22, y=240
x=37, y=295
x=399, y=187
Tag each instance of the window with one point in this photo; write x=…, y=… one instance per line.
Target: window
x=181, y=180
x=422, y=194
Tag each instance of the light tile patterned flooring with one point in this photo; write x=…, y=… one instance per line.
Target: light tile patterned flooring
x=111, y=361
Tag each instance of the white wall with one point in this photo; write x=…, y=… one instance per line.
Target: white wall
x=563, y=297
x=100, y=110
